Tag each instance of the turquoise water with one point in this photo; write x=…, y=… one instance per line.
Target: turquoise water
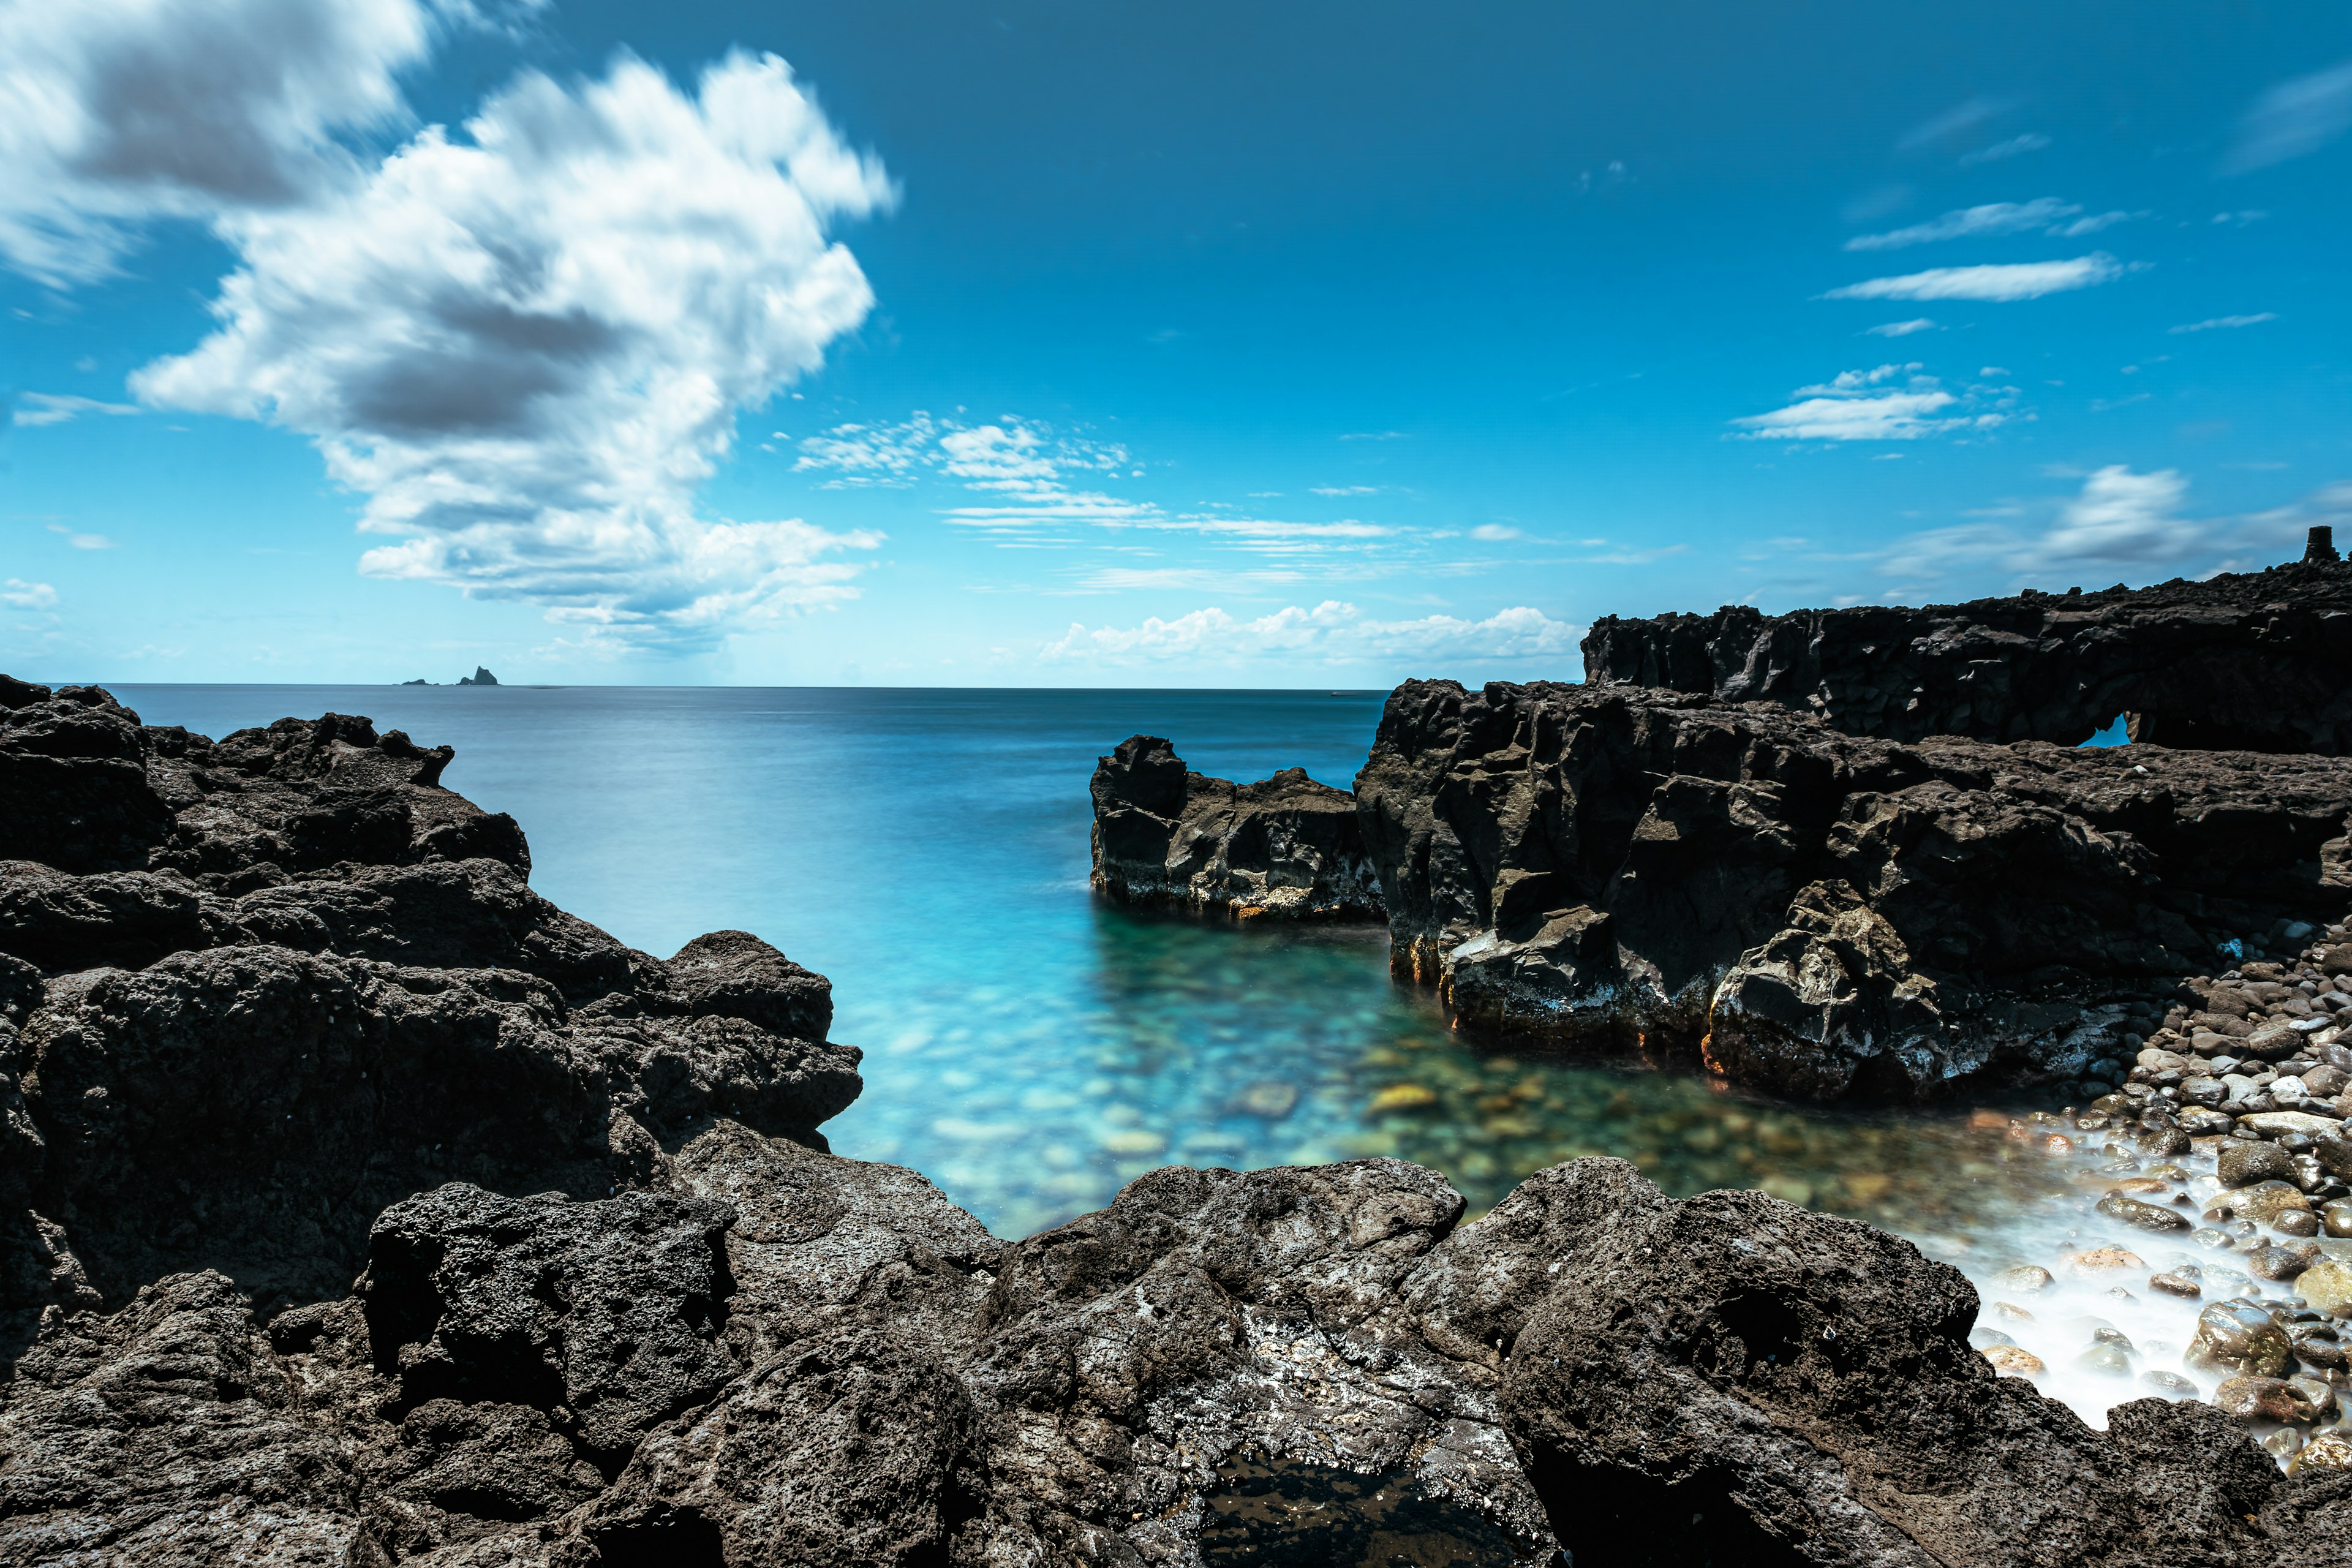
x=1030, y=1047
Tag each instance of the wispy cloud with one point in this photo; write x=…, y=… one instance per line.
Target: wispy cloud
x=1374, y=435
x=2001, y=152
x=2122, y=519
x=1958, y=121
x=1992, y=217
x=38, y=408
x=1333, y=632
x=81, y=540
x=1901, y=329
x=2292, y=118
x=1494, y=532
x=2001, y=282
x=1041, y=485
x=26, y=596
x=1891, y=402
x=2217, y=323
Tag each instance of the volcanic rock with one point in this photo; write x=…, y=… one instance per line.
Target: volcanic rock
x=254, y=991
x=2248, y=661
x=1284, y=848
x=1830, y=913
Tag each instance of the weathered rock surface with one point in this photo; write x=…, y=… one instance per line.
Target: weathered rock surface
x=373, y=1212
x=2251, y=661
x=1828, y=913
x=254, y=991
x=848, y=1369
x=1284, y=848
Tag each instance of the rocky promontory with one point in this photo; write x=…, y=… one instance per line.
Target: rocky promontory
x=369, y=1210
x=1823, y=913
x=2246, y=661
x=1283, y=848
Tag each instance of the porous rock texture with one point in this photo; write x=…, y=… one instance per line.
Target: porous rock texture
x=614, y=1305
x=1824, y=912
x=2250, y=661
x=1286, y=847
x=846, y=1370
x=254, y=991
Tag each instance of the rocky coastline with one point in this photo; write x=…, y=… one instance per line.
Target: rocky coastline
x=2244, y=661
x=364, y=1208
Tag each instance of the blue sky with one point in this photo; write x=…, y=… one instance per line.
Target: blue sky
x=1110, y=344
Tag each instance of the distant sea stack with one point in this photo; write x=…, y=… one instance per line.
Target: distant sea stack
x=480, y=677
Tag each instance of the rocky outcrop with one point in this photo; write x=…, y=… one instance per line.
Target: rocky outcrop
x=1826, y=912
x=254, y=991
x=2251, y=661
x=1284, y=848
x=377, y=1212
x=1286, y=1365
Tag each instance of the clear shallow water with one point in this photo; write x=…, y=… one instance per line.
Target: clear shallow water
x=1031, y=1049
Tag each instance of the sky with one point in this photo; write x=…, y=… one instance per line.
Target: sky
x=923, y=343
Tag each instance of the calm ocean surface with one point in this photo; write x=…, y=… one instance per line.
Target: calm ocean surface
x=1030, y=1048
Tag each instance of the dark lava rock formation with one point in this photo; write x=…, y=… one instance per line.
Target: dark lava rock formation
x=1826, y=912
x=253, y=991
x=2254, y=662
x=368, y=1210
x=1284, y=848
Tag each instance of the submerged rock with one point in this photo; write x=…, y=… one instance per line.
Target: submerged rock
x=1284, y=848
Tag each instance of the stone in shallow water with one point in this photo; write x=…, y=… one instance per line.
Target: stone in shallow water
x=2100, y=1261
x=2107, y=1360
x=2274, y=1123
x=2328, y=1451
x=2010, y=1312
x=2243, y=1165
x=2143, y=1217
x=2296, y=1223
x=2268, y=1399
x=2270, y=1262
x=2169, y=1385
x=1265, y=1512
x=1269, y=1099
x=2241, y=1338
x=2014, y=1360
x=1404, y=1096
x=2328, y=1287
x=2335, y=1217
x=2025, y=1278
x=2176, y=1282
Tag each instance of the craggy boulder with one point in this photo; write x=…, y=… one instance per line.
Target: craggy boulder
x=1286, y=847
x=1731, y=1377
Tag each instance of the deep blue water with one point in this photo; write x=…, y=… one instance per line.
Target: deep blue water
x=1029, y=1047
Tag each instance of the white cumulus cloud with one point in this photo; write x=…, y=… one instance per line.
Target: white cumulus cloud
x=26, y=596
x=1333, y=632
x=527, y=344
x=2003, y=281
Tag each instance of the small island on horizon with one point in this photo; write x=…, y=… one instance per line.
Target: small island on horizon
x=481, y=677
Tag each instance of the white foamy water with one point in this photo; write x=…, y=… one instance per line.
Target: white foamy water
x=2092, y=1290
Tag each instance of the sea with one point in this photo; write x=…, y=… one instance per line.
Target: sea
x=1031, y=1047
